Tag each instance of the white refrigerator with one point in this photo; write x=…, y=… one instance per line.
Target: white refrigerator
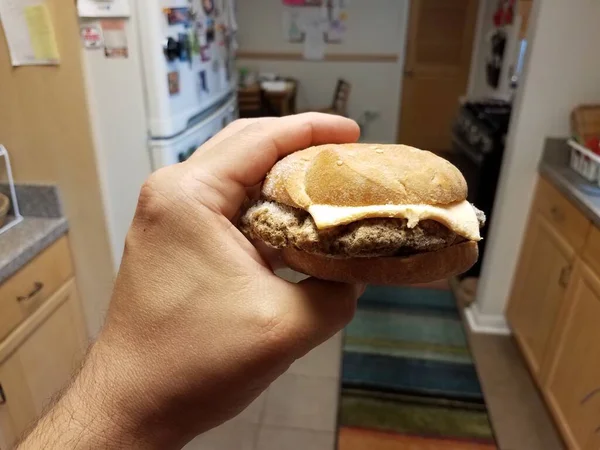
x=153, y=104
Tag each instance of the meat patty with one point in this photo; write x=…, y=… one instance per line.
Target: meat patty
x=281, y=226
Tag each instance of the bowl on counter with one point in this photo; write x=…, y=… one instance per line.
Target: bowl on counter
x=4, y=206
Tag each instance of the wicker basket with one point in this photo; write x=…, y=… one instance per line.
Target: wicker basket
x=585, y=123
x=4, y=206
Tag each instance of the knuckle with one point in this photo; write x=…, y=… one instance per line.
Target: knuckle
x=156, y=192
x=274, y=330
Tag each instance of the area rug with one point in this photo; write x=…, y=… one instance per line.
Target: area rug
x=408, y=376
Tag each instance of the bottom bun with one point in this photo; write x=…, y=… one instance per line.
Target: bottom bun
x=419, y=268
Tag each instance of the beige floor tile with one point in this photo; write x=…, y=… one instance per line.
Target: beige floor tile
x=276, y=438
x=254, y=412
x=297, y=401
x=323, y=361
x=233, y=435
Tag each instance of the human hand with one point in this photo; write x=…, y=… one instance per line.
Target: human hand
x=199, y=325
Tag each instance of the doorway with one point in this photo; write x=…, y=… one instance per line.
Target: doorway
x=436, y=70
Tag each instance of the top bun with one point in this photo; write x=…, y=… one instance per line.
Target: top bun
x=364, y=175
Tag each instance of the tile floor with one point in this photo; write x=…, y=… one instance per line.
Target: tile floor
x=297, y=412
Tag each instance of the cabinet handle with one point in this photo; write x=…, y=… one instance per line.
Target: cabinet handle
x=557, y=214
x=37, y=287
x=2, y=396
x=565, y=275
x=590, y=395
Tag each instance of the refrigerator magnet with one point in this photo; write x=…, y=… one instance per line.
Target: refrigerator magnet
x=115, y=38
x=208, y=6
x=91, y=35
x=205, y=53
x=186, y=47
x=203, y=82
x=173, y=79
x=177, y=16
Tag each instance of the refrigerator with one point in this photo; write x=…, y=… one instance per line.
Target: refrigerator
x=168, y=88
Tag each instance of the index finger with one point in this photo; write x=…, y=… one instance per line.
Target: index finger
x=247, y=156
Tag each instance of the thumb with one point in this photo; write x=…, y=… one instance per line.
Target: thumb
x=319, y=309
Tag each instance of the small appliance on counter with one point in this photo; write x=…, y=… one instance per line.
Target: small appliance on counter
x=478, y=139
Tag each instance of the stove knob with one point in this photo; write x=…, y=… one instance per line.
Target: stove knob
x=172, y=49
x=487, y=145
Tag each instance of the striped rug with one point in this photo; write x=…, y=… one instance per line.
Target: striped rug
x=408, y=376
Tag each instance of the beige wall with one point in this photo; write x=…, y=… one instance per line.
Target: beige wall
x=563, y=70
x=44, y=125
x=374, y=27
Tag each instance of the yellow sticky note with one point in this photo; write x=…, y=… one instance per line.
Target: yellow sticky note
x=41, y=32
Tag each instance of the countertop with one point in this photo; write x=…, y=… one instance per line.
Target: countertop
x=554, y=167
x=43, y=223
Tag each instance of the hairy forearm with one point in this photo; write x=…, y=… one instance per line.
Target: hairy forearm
x=90, y=413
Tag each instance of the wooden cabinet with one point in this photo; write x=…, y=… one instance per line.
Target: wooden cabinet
x=38, y=359
x=26, y=290
x=16, y=407
x=539, y=288
x=572, y=385
x=554, y=311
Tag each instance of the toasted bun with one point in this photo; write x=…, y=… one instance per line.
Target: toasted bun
x=364, y=175
x=419, y=268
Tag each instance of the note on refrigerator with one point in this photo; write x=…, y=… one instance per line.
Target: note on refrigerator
x=29, y=32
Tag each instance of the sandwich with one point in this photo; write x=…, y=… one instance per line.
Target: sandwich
x=367, y=213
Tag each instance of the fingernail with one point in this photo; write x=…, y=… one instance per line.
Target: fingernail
x=361, y=289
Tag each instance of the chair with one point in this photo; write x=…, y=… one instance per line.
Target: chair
x=340, y=99
x=250, y=101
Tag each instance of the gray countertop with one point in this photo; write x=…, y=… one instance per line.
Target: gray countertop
x=42, y=225
x=554, y=167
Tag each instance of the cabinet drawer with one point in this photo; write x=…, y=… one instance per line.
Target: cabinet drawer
x=591, y=253
x=562, y=214
x=26, y=290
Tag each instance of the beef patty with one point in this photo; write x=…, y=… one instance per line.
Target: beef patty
x=281, y=226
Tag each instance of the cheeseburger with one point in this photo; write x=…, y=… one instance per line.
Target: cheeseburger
x=381, y=214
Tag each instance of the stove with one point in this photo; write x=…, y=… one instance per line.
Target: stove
x=478, y=139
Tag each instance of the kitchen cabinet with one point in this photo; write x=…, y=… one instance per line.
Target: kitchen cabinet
x=572, y=385
x=54, y=350
x=16, y=407
x=41, y=352
x=539, y=288
x=554, y=311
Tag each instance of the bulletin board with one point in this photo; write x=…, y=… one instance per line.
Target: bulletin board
x=371, y=28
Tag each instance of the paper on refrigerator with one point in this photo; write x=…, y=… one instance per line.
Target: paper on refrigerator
x=29, y=32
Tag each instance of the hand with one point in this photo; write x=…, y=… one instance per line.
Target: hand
x=199, y=325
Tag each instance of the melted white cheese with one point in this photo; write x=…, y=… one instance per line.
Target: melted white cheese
x=459, y=217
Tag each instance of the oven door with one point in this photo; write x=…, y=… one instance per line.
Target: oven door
x=470, y=163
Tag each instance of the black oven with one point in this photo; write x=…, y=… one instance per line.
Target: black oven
x=477, y=150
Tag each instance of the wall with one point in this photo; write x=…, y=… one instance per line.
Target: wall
x=374, y=27
x=478, y=86
x=561, y=71
x=45, y=127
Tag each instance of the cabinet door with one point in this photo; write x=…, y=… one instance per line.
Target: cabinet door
x=572, y=386
x=538, y=290
x=16, y=407
x=51, y=354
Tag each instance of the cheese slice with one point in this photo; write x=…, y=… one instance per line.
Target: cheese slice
x=458, y=217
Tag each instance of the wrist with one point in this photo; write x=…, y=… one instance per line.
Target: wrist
x=101, y=409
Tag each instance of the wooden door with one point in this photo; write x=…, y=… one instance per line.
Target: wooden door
x=16, y=407
x=572, y=386
x=51, y=354
x=539, y=288
x=436, y=70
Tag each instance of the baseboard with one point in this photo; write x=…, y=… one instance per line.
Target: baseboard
x=486, y=323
